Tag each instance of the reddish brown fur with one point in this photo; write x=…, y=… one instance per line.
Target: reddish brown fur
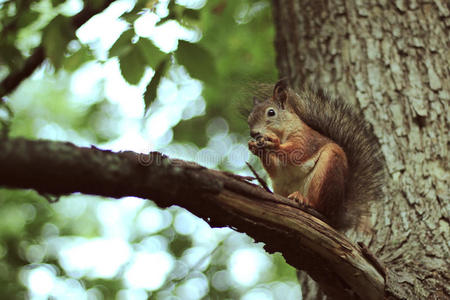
x=327, y=187
x=303, y=164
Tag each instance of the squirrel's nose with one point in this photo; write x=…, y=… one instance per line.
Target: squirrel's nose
x=254, y=134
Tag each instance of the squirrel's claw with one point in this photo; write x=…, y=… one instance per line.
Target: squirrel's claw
x=299, y=198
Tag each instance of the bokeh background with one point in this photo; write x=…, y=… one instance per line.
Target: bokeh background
x=144, y=76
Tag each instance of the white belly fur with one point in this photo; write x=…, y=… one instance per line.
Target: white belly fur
x=289, y=179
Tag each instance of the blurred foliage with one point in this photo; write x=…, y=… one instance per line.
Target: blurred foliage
x=234, y=49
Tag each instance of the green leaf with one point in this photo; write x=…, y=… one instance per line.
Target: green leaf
x=123, y=45
x=130, y=17
x=150, y=52
x=151, y=90
x=96, y=4
x=11, y=56
x=169, y=17
x=57, y=2
x=74, y=61
x=193, y=14
x=179, y=244
x=135, y=13
x=56, y=36
x=27, y=18
x=197, y=60
x=132, y=66
x=187, y=131
x=172, y=13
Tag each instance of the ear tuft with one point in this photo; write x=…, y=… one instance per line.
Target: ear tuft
x=257, y=100
x=280, y=92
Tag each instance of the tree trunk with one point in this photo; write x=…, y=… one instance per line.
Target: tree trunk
x=391, y=59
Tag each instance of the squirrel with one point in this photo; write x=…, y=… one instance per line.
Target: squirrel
x=317, y=151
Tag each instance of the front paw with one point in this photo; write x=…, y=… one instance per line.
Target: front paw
x=270, y=142
x=253, y=146
x=262, y=144
x=267, y=142
x=300, y=199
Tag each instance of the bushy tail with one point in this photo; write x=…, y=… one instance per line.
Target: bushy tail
x=341, y=123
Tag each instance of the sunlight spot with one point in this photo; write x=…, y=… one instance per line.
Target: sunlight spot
x=186, y=151
x=117, y=217
x=195, y=108
x=71, y=7
x=130, y=139
x=50, y=131
x=149, y=270
x=217, y=126
x=197, y=257
x=192, y=4
x=166, y=35
x=68, y=289
x=190, y=89
x=153, y=243
x=258, y=294
x=208, y=158
x=104, y=28
x=221, y=280
x=41, y=280
x=145, y=24
x=118, y=90
x=95, y=258
x=152, y=219
x=286, y=290
x=110, y=217
x=185, y=223
x=246, y=265
x=220, y=144
x=237, y=156
x=49, y=230
x=35, y=253
x=85, y=82
x=73, y=206
x=206, y=236
x=169, y=89
x=132, y=294
x=159, y=123
x=194, y=288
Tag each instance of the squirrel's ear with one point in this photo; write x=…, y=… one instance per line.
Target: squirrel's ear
x=280, y=92
x=256, y=100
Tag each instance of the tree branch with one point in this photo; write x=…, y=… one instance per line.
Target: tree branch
x=307, y=243
x=12, y=81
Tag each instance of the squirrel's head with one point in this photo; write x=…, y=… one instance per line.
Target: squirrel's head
x=275, y=114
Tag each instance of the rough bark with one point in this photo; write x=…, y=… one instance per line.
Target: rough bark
x=343, y=269
x=391, y=59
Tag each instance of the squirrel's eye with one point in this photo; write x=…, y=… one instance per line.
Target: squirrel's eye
x=271, y=112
